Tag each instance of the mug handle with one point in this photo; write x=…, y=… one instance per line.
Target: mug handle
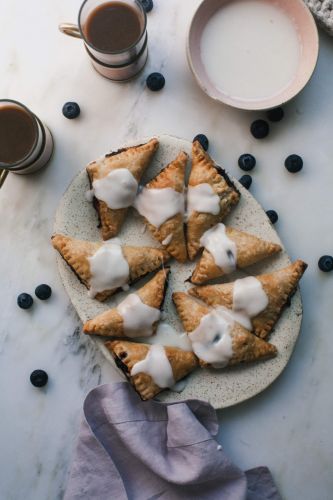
x=3, y=175
x=70, y=29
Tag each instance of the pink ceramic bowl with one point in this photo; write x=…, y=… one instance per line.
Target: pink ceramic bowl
x=307, y=32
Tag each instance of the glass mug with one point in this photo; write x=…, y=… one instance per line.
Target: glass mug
x=115, y=36
x=26, y=144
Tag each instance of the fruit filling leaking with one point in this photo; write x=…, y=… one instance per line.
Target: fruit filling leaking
x=18, y=134
x=222, y=248
x=113, y=27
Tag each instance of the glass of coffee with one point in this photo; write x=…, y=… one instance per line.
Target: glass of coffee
x=26, y=143
x=115, y=36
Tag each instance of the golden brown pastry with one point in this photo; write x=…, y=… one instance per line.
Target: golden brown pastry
x=111, y=322
x=140, y=260
x=204, y=171
x=127, y=354
x=136, y=159
x=171, y=232
x=244, y=346
x=279, y=286
x=249, y=249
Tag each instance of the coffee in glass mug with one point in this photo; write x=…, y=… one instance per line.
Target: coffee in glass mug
x=115, y=36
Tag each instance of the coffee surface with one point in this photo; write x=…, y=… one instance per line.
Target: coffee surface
x=112, y=27
x=17, y=134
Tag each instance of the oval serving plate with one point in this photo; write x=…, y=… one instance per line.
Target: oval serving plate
x=222, y=388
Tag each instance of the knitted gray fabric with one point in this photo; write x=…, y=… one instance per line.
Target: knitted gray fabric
x=323, y=12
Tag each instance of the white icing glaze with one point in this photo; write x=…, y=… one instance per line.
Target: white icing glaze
x=201, y=198
x=249, y=299
x=159, y=205
x=168, y=239
x=109, y=269
x=138, y=317
x=118, y=189
x=115, y=241
x=157, y=365
x=211, y=340
x=166, y=335
x=222, y=248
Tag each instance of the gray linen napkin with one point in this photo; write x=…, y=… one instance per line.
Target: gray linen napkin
x=133, y=450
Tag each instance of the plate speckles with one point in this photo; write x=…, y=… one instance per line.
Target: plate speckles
x=76, y=217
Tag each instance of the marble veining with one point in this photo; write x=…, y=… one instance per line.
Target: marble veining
x=288, y=427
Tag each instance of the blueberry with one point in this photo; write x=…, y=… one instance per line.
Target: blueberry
x=246, y=181
x=24, y=301
x=39, y=378
x=246, y=162
x=275, y=115
x=43, y=292
x=71, y=110
x=155, y=81
x=203, y=141
x=293, y=163
x=259, y=129
x=147, y=5
x=272, y=215
x=325, y=263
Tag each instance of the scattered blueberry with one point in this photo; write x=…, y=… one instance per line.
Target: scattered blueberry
x=71, y=110
x=155, y=81
x=39, y=378
x=203, y=140
x=246, y=162
x=325, y=263
x=24, y=301
x=147, y=5
x=246, y=181
x=293, y=163
x=43, y=292
x=259, y=129
x=272, y=215
x=275, y=115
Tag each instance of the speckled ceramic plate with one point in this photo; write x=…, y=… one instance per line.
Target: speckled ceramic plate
x=76, y=217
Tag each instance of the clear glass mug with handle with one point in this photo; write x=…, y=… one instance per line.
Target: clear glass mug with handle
x=122, y=61
x=26, y=144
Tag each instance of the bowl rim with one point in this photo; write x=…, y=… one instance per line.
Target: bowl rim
x=258, y=105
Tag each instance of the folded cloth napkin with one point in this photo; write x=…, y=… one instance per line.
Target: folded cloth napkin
x=133, y=450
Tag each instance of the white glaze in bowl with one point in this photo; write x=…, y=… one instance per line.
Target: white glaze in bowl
x=305, y=30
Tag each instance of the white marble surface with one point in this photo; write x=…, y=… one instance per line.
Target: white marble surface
x=289, y=426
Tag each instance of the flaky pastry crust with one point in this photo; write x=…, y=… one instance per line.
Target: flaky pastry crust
x=246, y=346
x=141, y=260
x=204, y=170
x=127, y=354
x=136, y=159
x=250, y=249
x=279, y=287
